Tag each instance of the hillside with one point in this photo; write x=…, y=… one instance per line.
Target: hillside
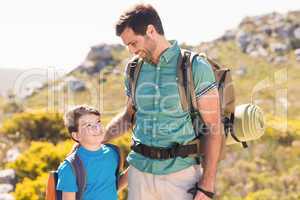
x=263, y=53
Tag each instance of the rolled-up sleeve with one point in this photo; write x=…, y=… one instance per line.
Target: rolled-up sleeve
x=203, y=75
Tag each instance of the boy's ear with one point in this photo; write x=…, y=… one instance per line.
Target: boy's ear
x=75, y=135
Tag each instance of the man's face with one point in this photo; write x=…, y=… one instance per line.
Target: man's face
x=140, y=45
x=90, y=130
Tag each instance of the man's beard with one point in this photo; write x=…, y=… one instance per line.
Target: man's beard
x=146, y=56
x=149, y=50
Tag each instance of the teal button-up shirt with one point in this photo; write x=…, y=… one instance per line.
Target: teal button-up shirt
x=160, y=119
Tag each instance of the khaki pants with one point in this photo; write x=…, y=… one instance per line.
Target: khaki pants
x=145, y=186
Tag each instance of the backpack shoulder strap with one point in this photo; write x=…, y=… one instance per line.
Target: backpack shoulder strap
x=79, y=171
x=181, y=82
x=51, y=192
x=132, y=72
x=120, y=161
x=188, y=98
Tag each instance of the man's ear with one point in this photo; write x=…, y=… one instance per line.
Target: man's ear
x=75, y=136
x=150, y=31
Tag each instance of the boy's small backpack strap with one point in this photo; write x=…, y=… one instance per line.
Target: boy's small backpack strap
x=51, y=192
x=132, y=72
x=79, y=171
x=120, y=161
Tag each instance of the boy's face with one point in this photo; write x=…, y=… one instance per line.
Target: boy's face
x=90, y=131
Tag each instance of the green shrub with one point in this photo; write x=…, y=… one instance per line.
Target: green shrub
x=266, y=194
x=36, y=126
x=41, y=157
x=30, y=189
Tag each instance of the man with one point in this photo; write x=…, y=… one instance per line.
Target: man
x=160, y=122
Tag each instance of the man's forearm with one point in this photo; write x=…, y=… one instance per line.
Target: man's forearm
x=119, y=125
x=213, y=143
x=209, y=107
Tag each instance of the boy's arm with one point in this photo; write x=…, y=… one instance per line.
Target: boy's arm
x=121, y=123
x=123, y=180
x=68, y=195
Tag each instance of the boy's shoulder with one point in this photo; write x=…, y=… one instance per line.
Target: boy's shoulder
x=66, y=177
x=111, y=148
x=65, y=168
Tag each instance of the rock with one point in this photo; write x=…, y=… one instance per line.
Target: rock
x=259, y=52
x=275, y=18
x=266, y=29
x=256, y=46
x=296, y=33
x=6, y=197
x=259, y=40
x=295, y=39
x=297, y=53
x=6, y=188
x=280, y=59
x=99, y=57
x=75, y=84
x=229, y=35
x=100, y=52
x=279, y=48
x=241, y=71
x=7, y=176
x=284, y=30
x=116, y=71
x=12, y=154
x=243, y=39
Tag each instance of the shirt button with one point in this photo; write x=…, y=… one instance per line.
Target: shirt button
x=156, y=87
x=154, y=118
x=158, y=68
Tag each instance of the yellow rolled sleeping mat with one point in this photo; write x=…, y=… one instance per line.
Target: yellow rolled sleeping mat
x=248, y=123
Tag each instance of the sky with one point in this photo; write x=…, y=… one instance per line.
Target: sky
x=59, y=33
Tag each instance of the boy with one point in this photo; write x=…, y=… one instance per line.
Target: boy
x=100, y=161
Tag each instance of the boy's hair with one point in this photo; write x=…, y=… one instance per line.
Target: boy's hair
x=138, y=18
x=72, y=116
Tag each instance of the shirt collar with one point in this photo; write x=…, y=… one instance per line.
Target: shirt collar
x=170, y=52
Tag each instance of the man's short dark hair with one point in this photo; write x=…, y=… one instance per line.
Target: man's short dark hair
x=138, y=18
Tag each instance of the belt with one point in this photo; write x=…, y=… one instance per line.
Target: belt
x=160, y=153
